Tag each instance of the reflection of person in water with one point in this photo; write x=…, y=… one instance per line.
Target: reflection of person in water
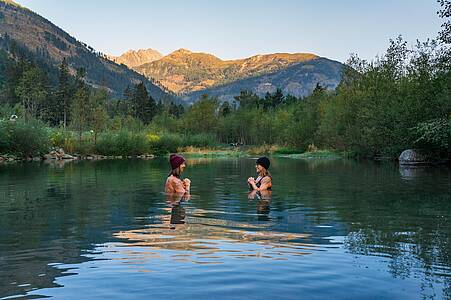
x=178, y=214
x=174, y=184
x=264, y=179
x=264, y=200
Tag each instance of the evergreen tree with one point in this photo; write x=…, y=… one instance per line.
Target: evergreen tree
x=173, y=110
x=277, y=98
x=225, y=109
x=144, y=106
x=247, y=99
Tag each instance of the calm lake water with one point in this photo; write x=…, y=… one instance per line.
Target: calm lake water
x=330, y=230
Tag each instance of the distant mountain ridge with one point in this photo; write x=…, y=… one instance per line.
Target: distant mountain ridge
x=298, y=80
x=133, y=58
x=183, y=71
x=50, y=44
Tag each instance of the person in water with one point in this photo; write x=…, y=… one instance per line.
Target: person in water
x=174, y=184
x=264, y=179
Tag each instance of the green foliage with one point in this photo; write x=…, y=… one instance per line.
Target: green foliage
x=168, y=143
x=434, y=135
x=201, y=116
x=81, y=110
x=122, y=143
x=31, y=90
x=24, y=139
x=445, y=13
x=144, y=106
x=199, y=140
x=60, y=138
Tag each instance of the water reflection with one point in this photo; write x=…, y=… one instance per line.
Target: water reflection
x=350, y=217
x=200, y=237
x=262, y=204
x=175, y=202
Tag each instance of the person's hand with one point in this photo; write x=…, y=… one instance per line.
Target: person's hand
x=186, y=182
x=251, y=180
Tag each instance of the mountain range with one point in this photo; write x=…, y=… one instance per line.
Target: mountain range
x=190, y=74
x=182, y=75
x=48, y=44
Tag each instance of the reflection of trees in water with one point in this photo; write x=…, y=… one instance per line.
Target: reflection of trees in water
x=425, y=251
x=413, y=234
x=52, y=214
x=406, y=221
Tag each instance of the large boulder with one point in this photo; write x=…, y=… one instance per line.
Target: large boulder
x=412, y=157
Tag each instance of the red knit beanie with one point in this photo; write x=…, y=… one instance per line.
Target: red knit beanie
x=176, y=160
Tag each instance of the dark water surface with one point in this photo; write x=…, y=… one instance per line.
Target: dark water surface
x=330, y=230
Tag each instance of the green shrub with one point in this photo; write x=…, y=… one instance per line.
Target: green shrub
x=199, y=140
x=168, y=143
x=434, y=136
x=83, y=147
x=60, y=138
x=122, y=143
x=24, y=139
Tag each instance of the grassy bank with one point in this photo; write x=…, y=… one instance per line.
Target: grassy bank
x=35, y=139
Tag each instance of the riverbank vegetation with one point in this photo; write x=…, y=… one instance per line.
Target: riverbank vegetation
x=397, y=101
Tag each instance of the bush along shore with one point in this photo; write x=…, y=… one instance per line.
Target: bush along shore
x=34, y=141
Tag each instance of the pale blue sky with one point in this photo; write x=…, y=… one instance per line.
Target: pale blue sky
x=242, y=28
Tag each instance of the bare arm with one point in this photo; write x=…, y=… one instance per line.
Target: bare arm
x=266, y=183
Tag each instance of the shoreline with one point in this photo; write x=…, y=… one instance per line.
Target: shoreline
x=190, y=152
x=195, y=153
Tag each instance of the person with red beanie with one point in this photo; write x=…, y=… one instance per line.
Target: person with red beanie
x=174, y=184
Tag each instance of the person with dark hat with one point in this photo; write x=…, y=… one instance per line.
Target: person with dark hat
x=264, y=179
x=174, y=184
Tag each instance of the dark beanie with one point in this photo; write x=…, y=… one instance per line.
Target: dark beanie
x=264, y=162
x=176, y=160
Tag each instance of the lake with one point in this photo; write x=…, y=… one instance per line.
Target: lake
x=331, y=229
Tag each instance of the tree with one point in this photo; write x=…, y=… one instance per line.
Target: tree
x=445, y=13
x=173, y=109
x=62, y=102
x=277, y=98
x=247, y=99
x=81, y=111
x=32, y=92
x=144, y=106
x=99, y=116
x=201, y=116
x=273, y=100
x=225, y=109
